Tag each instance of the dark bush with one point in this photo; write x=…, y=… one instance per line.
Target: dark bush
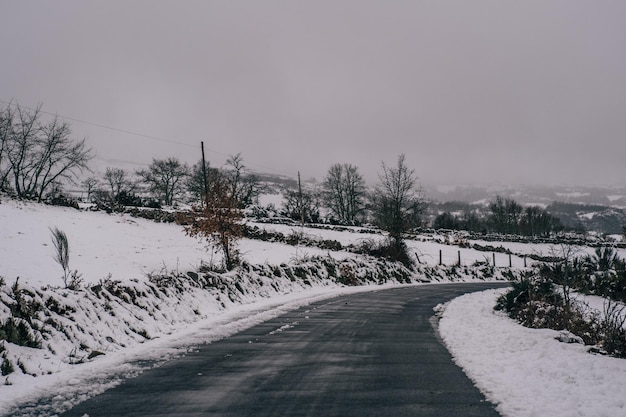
x=526, y=290
x=6, y=367
x=62, y=201
x=535, y=304
x=18, y=331
x=126, y=198
x=614, y=334
x=25, y=306
x=347, y=276
x=391, y=249
x=330, y=245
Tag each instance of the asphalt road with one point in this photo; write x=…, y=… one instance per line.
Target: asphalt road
x=371, y=354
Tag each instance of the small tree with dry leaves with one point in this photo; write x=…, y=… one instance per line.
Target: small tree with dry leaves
x=218, y=220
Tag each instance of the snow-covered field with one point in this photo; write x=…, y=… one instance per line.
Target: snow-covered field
x=127, y=247
x=116, y=244
x=109, y=248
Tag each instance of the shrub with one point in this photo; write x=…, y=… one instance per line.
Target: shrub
x=128, y=198
x=331, y=266
x=604, y=274
x=62, y=201
x=6, y=367
x=18, y=331
x=614, y=335
x=53, y=305
x=534, y=302
x=24, y=307
x=524, y=291
x=347, y=276
x=392, y=249
x=75, y=281
x=330, y=245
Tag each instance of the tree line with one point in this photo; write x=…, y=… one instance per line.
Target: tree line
x=166, y=182
x=505, y=216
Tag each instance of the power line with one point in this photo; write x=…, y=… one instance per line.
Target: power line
x=121, y=161
x=128, y=132
x=115, y=129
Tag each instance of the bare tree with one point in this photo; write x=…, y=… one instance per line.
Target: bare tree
x=91, y=184
x=196, y=181
x=165, y=178
x=300, y=206
x=244, y=187
x=6, y=132
x=22, y=145
x=565, y=270
x=505, y=215
x=60, y=157
x=536, y=221
x=344, y=191
x=398, y=200
x=38, y=155
x=118, y=181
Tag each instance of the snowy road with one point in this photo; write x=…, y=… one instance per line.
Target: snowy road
x=359, y=355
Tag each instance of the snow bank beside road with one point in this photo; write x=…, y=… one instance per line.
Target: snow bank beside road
x=62, y=390
x=526, y=372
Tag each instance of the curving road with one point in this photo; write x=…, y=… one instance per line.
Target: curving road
x=370, y=354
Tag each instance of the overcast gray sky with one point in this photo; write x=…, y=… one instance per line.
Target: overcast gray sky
x=524, y=92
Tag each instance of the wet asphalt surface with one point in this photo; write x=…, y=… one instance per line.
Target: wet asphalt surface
x=369, y=354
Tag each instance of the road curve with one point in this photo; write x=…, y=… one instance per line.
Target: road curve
x=369, y=354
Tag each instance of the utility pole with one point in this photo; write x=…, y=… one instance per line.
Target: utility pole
x=204, y=178
x=301, y=202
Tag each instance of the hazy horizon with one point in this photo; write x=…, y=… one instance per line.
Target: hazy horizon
x=483, y=92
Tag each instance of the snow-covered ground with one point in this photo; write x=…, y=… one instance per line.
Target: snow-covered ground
x=121, y=248
x=116, y=244
x=127, y=247
x=527, y=372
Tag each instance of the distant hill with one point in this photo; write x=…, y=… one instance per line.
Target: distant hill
x=599, y=209
x=612, y=196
